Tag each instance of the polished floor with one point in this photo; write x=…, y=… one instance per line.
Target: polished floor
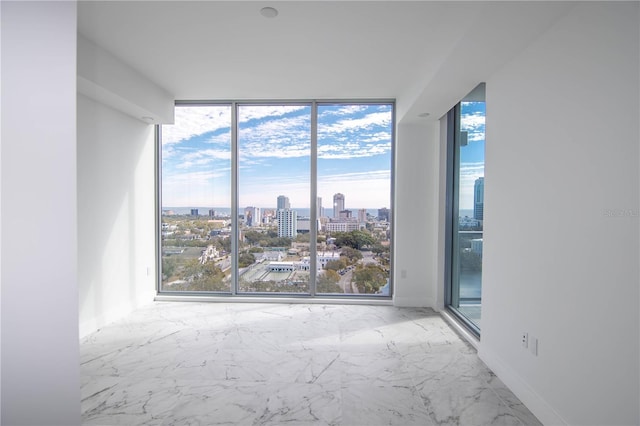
x=192, y=363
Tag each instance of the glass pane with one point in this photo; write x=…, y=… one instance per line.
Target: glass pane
x=470, y=202
x=196, y=200
x=274, y=153
x=354, y=198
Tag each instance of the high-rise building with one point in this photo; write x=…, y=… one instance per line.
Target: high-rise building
x=362, y=215
x=338, y=204
x=319, y=209
x=212, y=213
x=194, y=212
x=287, y=223
x=478, y=199
x=383, y=214
x=283, y=202
x=252, y=216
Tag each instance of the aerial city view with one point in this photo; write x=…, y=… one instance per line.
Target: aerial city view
x=352, y=156
x=353, y=249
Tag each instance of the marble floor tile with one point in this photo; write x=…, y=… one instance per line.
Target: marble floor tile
x=193, y=363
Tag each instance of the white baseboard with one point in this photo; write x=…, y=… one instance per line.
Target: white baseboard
x=90, y=325
x=413, y=302
x=534, y=402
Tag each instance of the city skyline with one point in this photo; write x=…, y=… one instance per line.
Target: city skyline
x=282, y=203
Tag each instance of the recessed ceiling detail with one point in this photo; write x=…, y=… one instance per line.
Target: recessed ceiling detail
x=269, y=12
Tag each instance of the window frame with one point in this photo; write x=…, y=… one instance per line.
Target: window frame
x=313, y=205
x=452, y=213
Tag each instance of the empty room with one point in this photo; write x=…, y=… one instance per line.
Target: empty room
x=320, y=213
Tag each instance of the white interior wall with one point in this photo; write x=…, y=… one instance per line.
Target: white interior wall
x=106, y=79
x=116, y=210
x=561, y=219
x=40, y=351
x=416, y=198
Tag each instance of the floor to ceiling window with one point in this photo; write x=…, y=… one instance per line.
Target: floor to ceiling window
x=274, y=153
x=196, y=253
x=466, y=123
x=277, y=198
x=354, y=176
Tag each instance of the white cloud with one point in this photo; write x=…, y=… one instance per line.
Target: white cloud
x=253, y=112
x=210, y=154
x=351, y=150
x=192, y=121
x=288, y=137
x=474, y=124
x=341, y=110
x=351, y=124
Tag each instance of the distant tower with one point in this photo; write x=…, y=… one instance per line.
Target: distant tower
x=194, y=212
x=287, y=223
x=362, y=215
x=212, y=213
x=338, y=204
x=252, y=216
x=320, y=210
x=283, y=202
x=478, y=199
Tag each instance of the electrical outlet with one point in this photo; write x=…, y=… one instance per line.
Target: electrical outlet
x=525, y=340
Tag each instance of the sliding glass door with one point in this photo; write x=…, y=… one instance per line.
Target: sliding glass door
x=466, y=167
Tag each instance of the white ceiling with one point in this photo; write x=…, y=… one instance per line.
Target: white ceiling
x=426, y=54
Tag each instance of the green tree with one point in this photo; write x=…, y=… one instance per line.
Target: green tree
x=168, y=267
x=253, y=237
x=369, y=278
x=336, y=265
x=354, y=239
x=379, y=249
x=328, y=282
x=351, y=254
x=246, y=259
x=226, y=244
x=303, y=238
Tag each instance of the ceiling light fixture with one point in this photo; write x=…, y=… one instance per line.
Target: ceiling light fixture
x=269, y=12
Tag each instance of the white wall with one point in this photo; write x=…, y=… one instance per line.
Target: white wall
x=116, y=210
x=106, y=79
x=416, y=198
x=40, y=351
x=561, y=155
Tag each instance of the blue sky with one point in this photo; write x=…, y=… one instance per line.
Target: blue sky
x=472, y=120
x=354, y=155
